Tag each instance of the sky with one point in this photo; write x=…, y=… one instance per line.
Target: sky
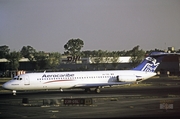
x=112, y=25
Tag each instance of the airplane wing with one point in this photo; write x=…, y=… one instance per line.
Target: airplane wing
x=94, y=85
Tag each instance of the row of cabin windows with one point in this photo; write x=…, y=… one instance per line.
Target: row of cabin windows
x=77, y=77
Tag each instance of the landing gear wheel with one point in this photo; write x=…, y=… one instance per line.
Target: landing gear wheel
x=61, y=89
x=14, y=92
x=97, y=90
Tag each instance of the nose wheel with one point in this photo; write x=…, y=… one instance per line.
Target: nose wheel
x=61, y=89
x=14, y=92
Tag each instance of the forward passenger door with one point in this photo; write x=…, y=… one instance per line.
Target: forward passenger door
x=26, y=80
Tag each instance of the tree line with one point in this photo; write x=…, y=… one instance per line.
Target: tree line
x=40, y=59
x=43, y=60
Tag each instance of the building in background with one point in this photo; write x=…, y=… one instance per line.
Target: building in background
x=170, y=64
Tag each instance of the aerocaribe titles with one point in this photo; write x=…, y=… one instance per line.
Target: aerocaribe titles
x=57, y=75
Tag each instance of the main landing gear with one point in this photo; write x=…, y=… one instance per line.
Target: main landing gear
x=97, y=90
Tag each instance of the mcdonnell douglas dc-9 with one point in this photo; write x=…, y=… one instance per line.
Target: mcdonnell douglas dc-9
x=85, y=79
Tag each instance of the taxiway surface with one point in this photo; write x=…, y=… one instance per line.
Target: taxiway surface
x=156, y=97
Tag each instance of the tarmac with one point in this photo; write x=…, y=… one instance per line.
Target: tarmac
x=155, y=97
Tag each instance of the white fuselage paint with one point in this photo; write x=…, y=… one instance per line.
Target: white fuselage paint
x=66, y=80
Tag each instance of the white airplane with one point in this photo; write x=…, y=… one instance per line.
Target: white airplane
x=85, y=79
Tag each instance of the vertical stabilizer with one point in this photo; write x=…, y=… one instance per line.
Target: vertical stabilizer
x=151, y=62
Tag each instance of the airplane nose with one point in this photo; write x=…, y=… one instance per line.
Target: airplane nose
x=5, y=86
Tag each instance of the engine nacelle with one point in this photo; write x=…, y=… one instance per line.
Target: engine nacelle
x=126, y=78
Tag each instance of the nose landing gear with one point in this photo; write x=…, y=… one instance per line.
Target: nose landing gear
x=14, y=92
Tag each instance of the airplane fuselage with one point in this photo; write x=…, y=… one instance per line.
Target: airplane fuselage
x=66, y=80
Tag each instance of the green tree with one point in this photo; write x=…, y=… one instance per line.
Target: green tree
x=13, y=58
x=73, y=48
x=54, y=60
x=4, y=50
x=97, y=58
x=115, y=60
x=86, y=53
x=136, y=55
x=41, y=59
x=28, y=52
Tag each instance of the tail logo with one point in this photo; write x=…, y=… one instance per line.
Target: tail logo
x=151, y=65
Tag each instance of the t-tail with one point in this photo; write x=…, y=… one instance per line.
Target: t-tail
x=151, y=62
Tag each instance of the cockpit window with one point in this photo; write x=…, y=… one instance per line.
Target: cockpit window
x=17, y=78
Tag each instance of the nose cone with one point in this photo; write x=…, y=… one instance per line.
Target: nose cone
x=6, y=86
